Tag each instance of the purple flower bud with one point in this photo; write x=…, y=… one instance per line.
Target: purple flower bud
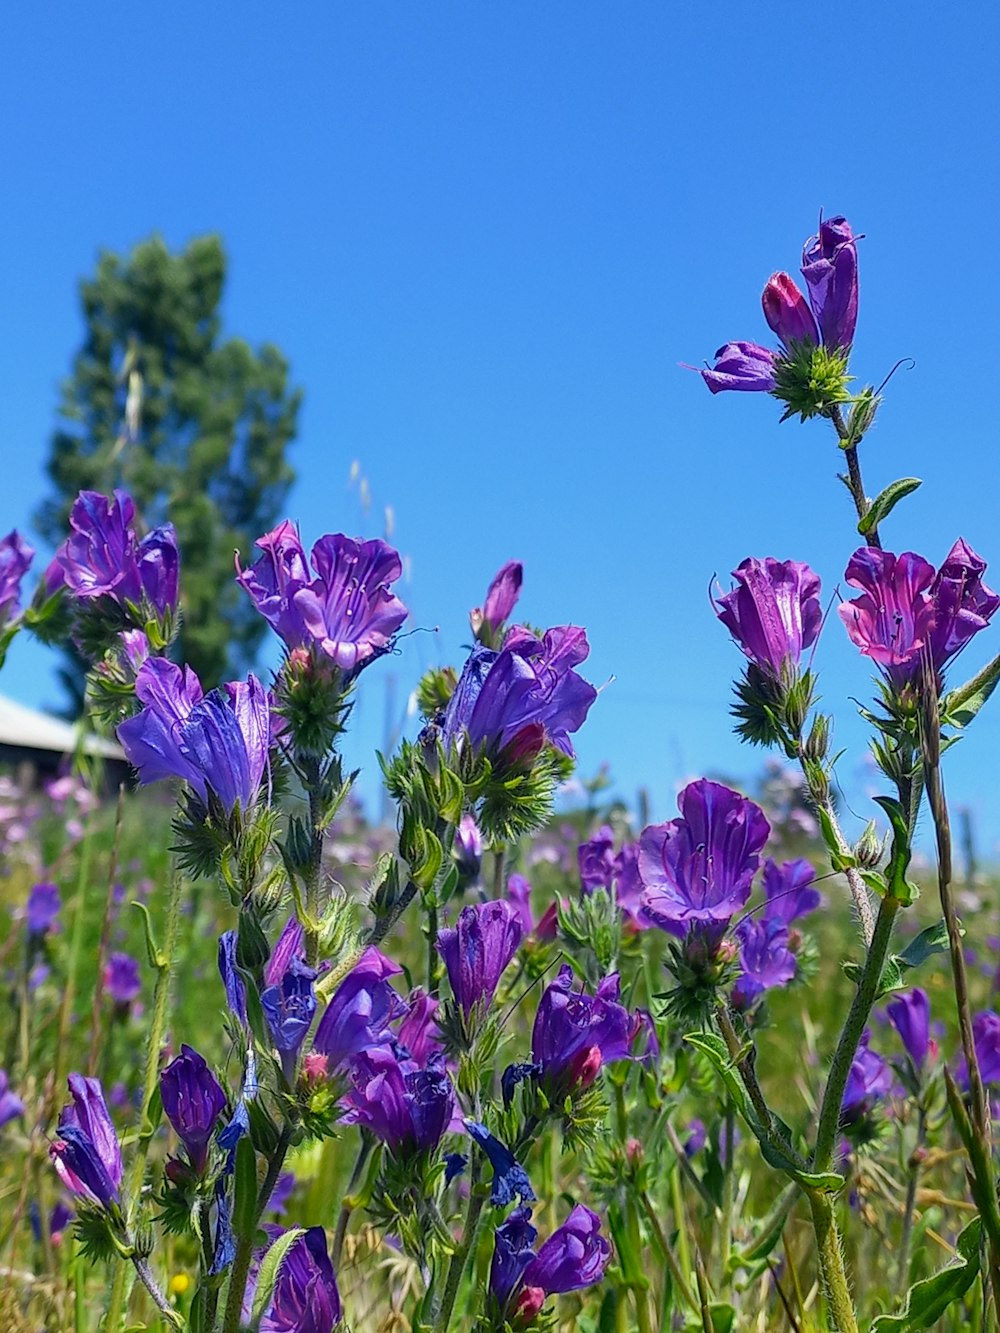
x=830, y=268
x=570, y=1025
x=765, y=958
x=787, y=312
x=122, y=980
x=986, y=1035
x=86, y=1153
x=868, y=1082
x=11, y=1105
x=501, y=598
x=408, y=1110
x=911, y=1016
x=774, y=614
x=513, y=1250
x=43, y=908
x=477, y=950
x=289, y=1006
x=347, y=611
x=236, y=991
x=289, y=946
x=510, y=1180
x=596, y=860
x=790, y=890
x=528, y=688
x=418, y=1033
x=963, y=605
x=192, y=1101
x=15, y=560
x=697, y=1137
x=519, y=895
x=159, y=568
x=305, y=1297
x=468, y=847
x=699, y=868
x=360, y=1010
x=217, y=742
x=102, y=557
x=742, y=366
x=573, y=1257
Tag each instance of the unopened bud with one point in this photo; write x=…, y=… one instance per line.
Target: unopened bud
x=868, y=848
x=315, y=1067
x=529, y=1304
x=817, y=743
x=587, y=1066
x=633, y=1152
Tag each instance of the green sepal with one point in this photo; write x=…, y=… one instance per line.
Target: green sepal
x=960, y=706
x=267, y=1274
x=927, y=1300
x=884, y=503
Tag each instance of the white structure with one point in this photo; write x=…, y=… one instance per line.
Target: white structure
x=28, y=736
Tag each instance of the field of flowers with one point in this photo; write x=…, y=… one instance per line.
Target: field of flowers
x=514, y=1062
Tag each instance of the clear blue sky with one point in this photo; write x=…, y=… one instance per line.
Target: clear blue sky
x=485, y=235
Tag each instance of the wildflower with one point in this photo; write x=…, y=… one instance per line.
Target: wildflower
x=15, y=560
x=790, y=890
x=289, y=1005
x=519, y=895
x=910, y=1014
x=11, y=1105
x=596, y=860
x=418, y=1033
x=699, y=868
x=468, y=848
x=42, y=910
x=575, y=1034
x=305, y=1298
x=574, y=1256
x=102, y=556
x=501, y=598
x=986, y=1036
x=409, y=1110
x=830, y=270
x=121, y=979
x=774, y=614
x=347, y=612
x=85, y=1152
x=765, y=958
x=360, y=1010
x=510, y=1179
x=868, y=1082
x=477, y=950
x=742, y=366
x=216, y=742
x=524, y=696
x=193, y=1100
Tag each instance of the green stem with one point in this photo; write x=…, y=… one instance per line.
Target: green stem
x=728, y=1195
x=157, y=1032
x=313, y=778
x=847, y=1046
x=680, y=1223
x=666, y=1253
x=343, y=1221
x=913, y=1169
x=433, y=961
x=244, y=1245
x=456, y=1266
x=857, y=486
x=833, y=1275
x=159, y=1300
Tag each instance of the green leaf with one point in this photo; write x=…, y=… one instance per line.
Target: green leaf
x=961, y=705
x=883, y=504
x=723, y=1317
x=270, y=1267
x=932, y=940
x=245, y=1194
x=899, y=856
x=928, y=1299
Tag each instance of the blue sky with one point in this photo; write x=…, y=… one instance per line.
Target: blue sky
x=484, y=236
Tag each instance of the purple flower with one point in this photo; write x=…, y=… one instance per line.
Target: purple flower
x=697, y=1137
x=868, y=1082
x=524, y=695
x=305, y=1297
x=911, y=1017
x=699, y=868
x=102, y=557
x=477, y=950
x=418, y=1033
x=85, y=1152
x=15, y=560
x=575, y=1034
x=510, y=1179
x=830, y=270
x=596, y=860
x=192, y=1101
x=347, y=611
x=629, y=887
x=513, y=1250
x=216, y=742
x=409, y=1110
x=501, y=598
x=765, y=958
x=986, y=1035
x=790, y=890
x=744, y=366
x=573, y=1257
x=11, y=1105
x=360, y=1010
x=519, y=894
x=289, y=1006
x=288, y=947
x=468, y=847
x=43, y=908
x=122, y=980
x=774, y=614
x=787, y=312
x=235, y=988
x=963, y=605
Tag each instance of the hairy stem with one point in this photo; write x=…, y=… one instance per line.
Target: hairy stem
x=666, y=1252
x=244, y=1245
x=833, y=1275
x=456, y=1266
x=856, y=483
x=820, y=795
x=913, y=1179
x=313, y=779
x=847, y=1046
x=159, y=1300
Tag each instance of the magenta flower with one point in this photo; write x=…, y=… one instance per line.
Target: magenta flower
x=830, y=270
x=787, y=312
x=501, y=598
x=774, y=614
x=360, y=1010
x=103, y=557
x=790, y=890
x=418, y=1034
x=193, y=1100
x=347, y=611
x=85, y=1152
x=907, y=608
x=476, y=952
x=765, y=958
x=573, y=1257
x=217, y=742
x=576, y=1034
x=699, y=868
x=868, y=1082
x=519, y=895
x=15, y=560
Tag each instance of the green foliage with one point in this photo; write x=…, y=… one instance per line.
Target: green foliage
x=927, y=1301
x=194, y=426
x=811, y=380
x=884, y=503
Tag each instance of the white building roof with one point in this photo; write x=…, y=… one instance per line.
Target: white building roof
x=31, y=730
